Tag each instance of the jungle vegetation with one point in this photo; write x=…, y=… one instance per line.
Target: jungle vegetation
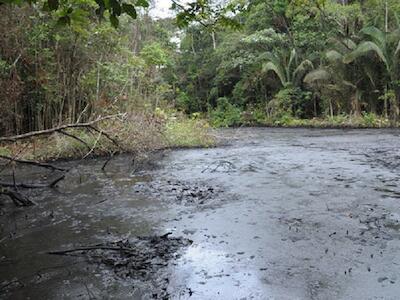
x=274, y=62
x=295, y=61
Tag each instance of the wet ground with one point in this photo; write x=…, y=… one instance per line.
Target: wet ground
x=274, y=214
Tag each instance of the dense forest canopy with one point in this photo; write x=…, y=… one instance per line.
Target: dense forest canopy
x=234, y=62
x=296, y=59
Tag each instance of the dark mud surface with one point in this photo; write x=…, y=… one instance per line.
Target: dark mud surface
x=275, y=214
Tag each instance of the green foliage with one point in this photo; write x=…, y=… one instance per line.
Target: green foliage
x=289, y=102
x=298, y=58
x=154, y=54
x=4, y=67
x=184, y=132
x=244, y=62
x=5, y=151
x=201, y=11
x=225, y=114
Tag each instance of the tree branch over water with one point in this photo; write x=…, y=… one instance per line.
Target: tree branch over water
x=60, y=129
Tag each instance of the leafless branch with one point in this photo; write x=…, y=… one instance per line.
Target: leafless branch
x=33, y=163
x=57, y=129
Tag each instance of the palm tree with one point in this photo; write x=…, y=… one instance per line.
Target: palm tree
x=287, y=68
x=351, y=81
x=290, y=73
x=386, y=47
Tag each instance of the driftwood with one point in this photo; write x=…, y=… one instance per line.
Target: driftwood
x=11, y=190
x=33, y=163
x=18, y=198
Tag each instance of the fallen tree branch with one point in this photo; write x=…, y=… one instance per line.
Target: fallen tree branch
x=17, y=198
x=107, y=136
x=94, y=145
x=74, y=137
x=107, y=161
x=89, y=248
x=32, y=186
x=10, y=162
x=57, y=129
x=33, y=163
x=54, y=183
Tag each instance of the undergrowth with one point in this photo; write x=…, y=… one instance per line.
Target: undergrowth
x=138, y=133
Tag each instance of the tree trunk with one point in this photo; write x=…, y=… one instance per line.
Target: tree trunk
x=214, y=40
x=395, y=105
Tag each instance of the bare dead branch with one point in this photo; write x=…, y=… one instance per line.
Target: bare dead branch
x=74, y=137
x=57, y=129
x=107, y=136
x=33, y=163
x=18, y=198
x=107, y=161
x=94, y=145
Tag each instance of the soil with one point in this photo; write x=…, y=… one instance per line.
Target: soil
x=274, y=214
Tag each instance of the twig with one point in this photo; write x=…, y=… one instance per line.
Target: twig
x=94, y=145
x=16, y=155
x=106, y=135
x=54, y=183
x=107, y=161
x=4, y=286
x=13, y=177
x=82, y=113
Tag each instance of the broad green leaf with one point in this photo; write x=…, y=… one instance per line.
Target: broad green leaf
x=270, y=66
x=302, y=69
x=377, y=35
x=116, y=7
x=317, y=75
x=130, y=10
x=142, y=3
x=363, y=49
x=334, y=56
x=114, y=21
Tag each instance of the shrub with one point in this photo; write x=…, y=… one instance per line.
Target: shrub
x=226, y=114
x=184, y=132
x=289, y=102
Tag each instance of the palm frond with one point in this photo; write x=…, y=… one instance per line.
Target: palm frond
x=334, y=56
x=376, y=35
x=292, y=59
x=319, y=75
x=350, y=84
x=302, y=69
x=363, y=49
x=350, y=44
x=271, y=66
